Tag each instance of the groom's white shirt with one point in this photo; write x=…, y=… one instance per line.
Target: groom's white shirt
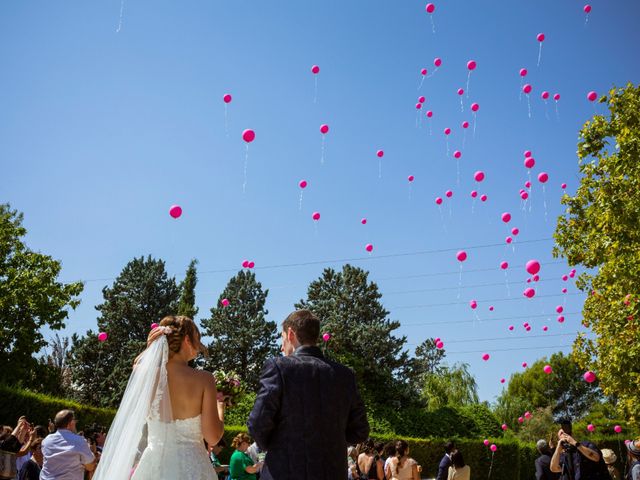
x=65, y=455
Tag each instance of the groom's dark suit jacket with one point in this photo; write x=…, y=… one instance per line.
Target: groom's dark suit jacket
x=306, y=413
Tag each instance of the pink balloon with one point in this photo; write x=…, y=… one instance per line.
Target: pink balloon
x=515, y=231
x=225, y=302
x=504, y=426
x=363, y=221
x=545, y=328
x=524, y=365
x=559, y=309
x=511, y=327
x=302, y=184
x=326, y=337
x=380, y=153
x=315, y=69
x=493, y=447
x=536, y=278
x=532, y=267
x=471, y=65
x=474, y=194
x=430, y=8
x=508, y=240
x=421, y=99
x=556, y=96
x=491, y=308
x=423, y=72
x=592, y=96
x=486, y=442
x=587, y=8
x=543, y=177
x=411, y=178
x=478, y=176
x=591, y=427
x=437, y=61
x=457, y=154
x=520, y=420
x=565, y=278
x=529, y=162
x=527, y=184
x=251, y=264
x=528, y=329
x=504, y=265
x=438, y=200
x=506, y=217
x=527, y=88
x=485, y=357
x=418, y=106
x=368, y=247
x=563, y=186
x=617, y=429
x=524, y=195
x=540, y=37
x=545, y=95
x=523, y=72
x=316, y=216
x=560, y=319
x=175, y=211
x=527, y=153
x=529, y=292
x=564, y=290
x=465, y=124
x=324, y=128
x=475, y=107
x=439, y=345
x=102, y=337
x=245, y=264
x=483, y=197
x=572, y=273
x=461, y=256
x=460, y=91
x=502, y=380
x=547, y=369
x=226, y=98
x=527, y=415
x=248, y=135
x=449, y=193
x=429, y=113
x=154, y=326
x=447, y=131
x=589, y=377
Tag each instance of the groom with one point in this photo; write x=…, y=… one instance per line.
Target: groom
x=308, y=408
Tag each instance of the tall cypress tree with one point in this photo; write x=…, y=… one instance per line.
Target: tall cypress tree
x=187, y=305
x=242, y=337
x=142, y=294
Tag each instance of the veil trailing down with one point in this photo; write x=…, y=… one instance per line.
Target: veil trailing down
x=144, y=441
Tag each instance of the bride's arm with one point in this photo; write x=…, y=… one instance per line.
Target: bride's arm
x=212, y=411
x=154, y=334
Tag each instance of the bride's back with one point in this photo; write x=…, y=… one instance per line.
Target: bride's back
x=186, y=387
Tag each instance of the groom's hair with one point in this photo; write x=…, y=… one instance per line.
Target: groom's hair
x=305, y=325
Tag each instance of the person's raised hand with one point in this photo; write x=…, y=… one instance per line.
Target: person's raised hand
x=155, y=334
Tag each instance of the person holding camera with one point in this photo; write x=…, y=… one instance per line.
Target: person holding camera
x=576, y=460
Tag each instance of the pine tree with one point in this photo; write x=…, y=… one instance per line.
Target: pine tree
x=242, y=337
x=427, y=361
x=350, y=310
x=187, y=304
x=141, y=295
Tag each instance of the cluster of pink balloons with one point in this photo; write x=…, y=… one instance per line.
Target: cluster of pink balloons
x=248, y=264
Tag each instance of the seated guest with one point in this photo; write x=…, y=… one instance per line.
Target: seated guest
x=458, y=470
x=31, y=469
x=241, y=466
x=214, y=451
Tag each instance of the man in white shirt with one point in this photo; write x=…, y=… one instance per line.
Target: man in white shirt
x=66, y=455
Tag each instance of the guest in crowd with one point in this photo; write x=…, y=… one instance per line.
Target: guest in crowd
x=241, y=466
x=66, y=455
x=543, y=462
x=11, y=441
x=633, y=457
x=24, y=455
x=403, y=467
x=370, y=465
x=458, y=470
x=445, y=462
x=576, y=460
x=352, y=466
x=388, y=452
x=214, y=452
x=30, y=470
x=610, y=460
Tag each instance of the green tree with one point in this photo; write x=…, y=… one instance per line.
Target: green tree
x=540, y=425
x=426, y=361
x=142, y=294
x=450, y=386
x=187, y=305
x=599, y=231
x=31, y=299
x=54, y=376
x=350, y=309
x=242, y=337
x=564, y=390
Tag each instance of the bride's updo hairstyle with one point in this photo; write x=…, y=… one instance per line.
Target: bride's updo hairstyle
x=182, y=327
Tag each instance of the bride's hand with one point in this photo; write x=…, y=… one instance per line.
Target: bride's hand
x=154, y=334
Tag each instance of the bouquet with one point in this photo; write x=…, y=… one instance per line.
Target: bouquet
x=229, y=386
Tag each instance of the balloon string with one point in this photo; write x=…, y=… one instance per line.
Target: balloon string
x=544, y=201
x=476, y=318
x=450, y=211
x=226, y=122
x=506, y=283
x=461, y=104
x=473, y=205
x=421, y=82
x=379, y=168
x=457, y=172
x=539, y=54
x=468, y=80
x=315, y=90
x=246, y=162
x=460, y=282
x=586, y=19
x=447, y=142
x=491, y=466
x=520, y=89
x=444, y=226
x=322, y=152
x=417, y=116
x=474, y=124
x=434, y=72
x=433, y=25
x=464, y=138
x=546, y=110
x=529, y=104
x=121, y=16
x=300, y=203
x=557, y=113
x=430, y=131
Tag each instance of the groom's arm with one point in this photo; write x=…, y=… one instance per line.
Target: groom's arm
x=262, y=419
x=357, y=424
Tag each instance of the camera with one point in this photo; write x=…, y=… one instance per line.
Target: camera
x=567, y=446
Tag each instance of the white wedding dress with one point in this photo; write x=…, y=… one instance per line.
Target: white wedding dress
x=144, y=441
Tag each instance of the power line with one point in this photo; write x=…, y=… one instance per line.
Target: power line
x=521, y=317
x=508, y=349
x=522, y=337
x=494, y=300
x=477, y=285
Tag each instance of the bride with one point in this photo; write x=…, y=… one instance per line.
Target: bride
x=167, y=410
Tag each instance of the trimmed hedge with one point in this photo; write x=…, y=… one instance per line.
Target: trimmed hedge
x=39, y=408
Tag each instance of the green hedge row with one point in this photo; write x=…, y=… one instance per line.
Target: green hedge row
x=39, y=408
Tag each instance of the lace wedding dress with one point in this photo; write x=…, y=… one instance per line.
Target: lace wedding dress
x=144, y=441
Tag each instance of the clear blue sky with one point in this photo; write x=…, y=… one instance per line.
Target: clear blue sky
x=102, y=131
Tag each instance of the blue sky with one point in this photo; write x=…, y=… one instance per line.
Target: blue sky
x=102, y=131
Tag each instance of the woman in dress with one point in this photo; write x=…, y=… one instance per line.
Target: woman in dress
x=167, y=410
x=370, y=464
x=402, y=466
x=458, y=470
x=241, y=465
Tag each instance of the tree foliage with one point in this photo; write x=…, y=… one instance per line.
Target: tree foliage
x=187, y=305
x=450, y=386
x=426, y=361
x=242, y=337
x=350, y=309
x=142, y=294
x=31, y=299
x=600, y=232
